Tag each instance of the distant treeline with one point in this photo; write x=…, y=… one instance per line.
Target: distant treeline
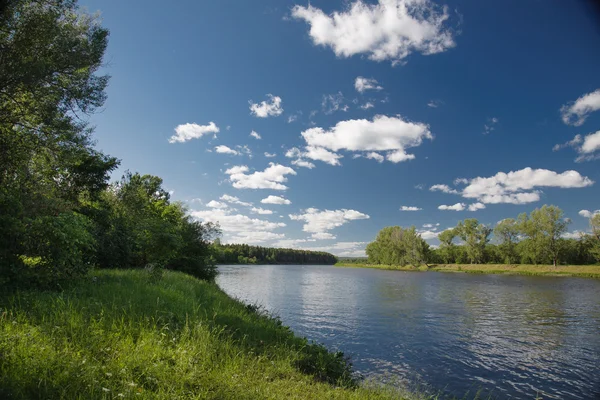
x=537, y=238
x=245, y=254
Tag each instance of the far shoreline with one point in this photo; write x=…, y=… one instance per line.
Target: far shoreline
x=581, y=271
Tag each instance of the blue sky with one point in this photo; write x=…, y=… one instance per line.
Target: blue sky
x=367, y=107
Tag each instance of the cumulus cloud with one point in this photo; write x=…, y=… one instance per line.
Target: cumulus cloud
x=410, y=208
x=323, y=236
x=303, y=163
x=270, y=155
x=361, y=84
x=576, y=113
x=383, y=133
x=443, y=188
x=476, y=206
x=588, y=213
x=455, y=207
x=226, y=150
x=275, y=200
x=375, y=156
x=434, y=103
x=587, y=146
x=515, y=187
x=216, y=204
x=238, y=228
x=341, y=249
x=255, y=135
x=268, y=108
x=272, y=177
x=390, y=30
x=319, y=221
x=258, y=210
x=186, y=132
x=428, y=234
x=234, y=200
x=573, y=235
x=518, y=187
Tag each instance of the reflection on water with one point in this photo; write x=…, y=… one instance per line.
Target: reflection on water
x=513, y=336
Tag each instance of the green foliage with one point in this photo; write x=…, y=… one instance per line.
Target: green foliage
x=246, y=254
x=398, y=246
x=544, y=228
x=507, y=235
x=115, y=336
x=475, y=236
x=594, y=238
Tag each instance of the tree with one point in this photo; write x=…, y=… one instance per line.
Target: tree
x=595, y=236
x=544, y=229
x=506, y=234
x=50, y=53
x=447, y=247
x=475, y=236
x=395, y=245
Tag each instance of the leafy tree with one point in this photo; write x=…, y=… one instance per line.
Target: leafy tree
x=595, y=236
x=395, y=245
x=49, y=58
x=447, y=246
x=544, y=229
x=475, y=236
x=506, y=234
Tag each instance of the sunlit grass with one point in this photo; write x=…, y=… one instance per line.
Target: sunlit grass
x=117, y=335
x=588, y=271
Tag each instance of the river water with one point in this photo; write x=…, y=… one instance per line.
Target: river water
x=509, y=336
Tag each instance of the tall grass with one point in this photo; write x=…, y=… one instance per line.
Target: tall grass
x=121, y=335
x=586, y=271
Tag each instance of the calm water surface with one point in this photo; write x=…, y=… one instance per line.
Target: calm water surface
x=520, y=336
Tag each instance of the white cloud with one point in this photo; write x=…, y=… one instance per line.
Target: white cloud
x=443, y=188
x=383, y=133
x=375, y=156
x=517, y=187
x=333, y=102
x=490, y=126
x=434, y=103
x=186, y=132
x=216, y=204
x=275, y=200
x=255, y=135
x=240, y=228
x=234, y=200
x=572, y=235
x=410, y=208
x=293, y=117
x=390, y=30
x=270, y=155
x=428, y=234
x=586, y=146
x=303, y=163
x=577, y=112
x=318, y=221
x=270, y=108
x=258, y=210
x=455, y=207
x=226, y=150
x=323, y=236
x=361, y=84
x=342, y=249
x=588, y=213
x=271, y=178
x=367, y=105
x=476, y=206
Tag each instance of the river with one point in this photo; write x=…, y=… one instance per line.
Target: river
x=510, y=336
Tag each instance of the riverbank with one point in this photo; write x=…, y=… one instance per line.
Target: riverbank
x=585, y=271
x=128, y=334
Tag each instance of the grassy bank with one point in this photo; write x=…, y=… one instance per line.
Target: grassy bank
x=120, y=335
x=586, y=271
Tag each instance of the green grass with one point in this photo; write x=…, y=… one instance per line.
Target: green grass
x=118, y=335
x=585, y=271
